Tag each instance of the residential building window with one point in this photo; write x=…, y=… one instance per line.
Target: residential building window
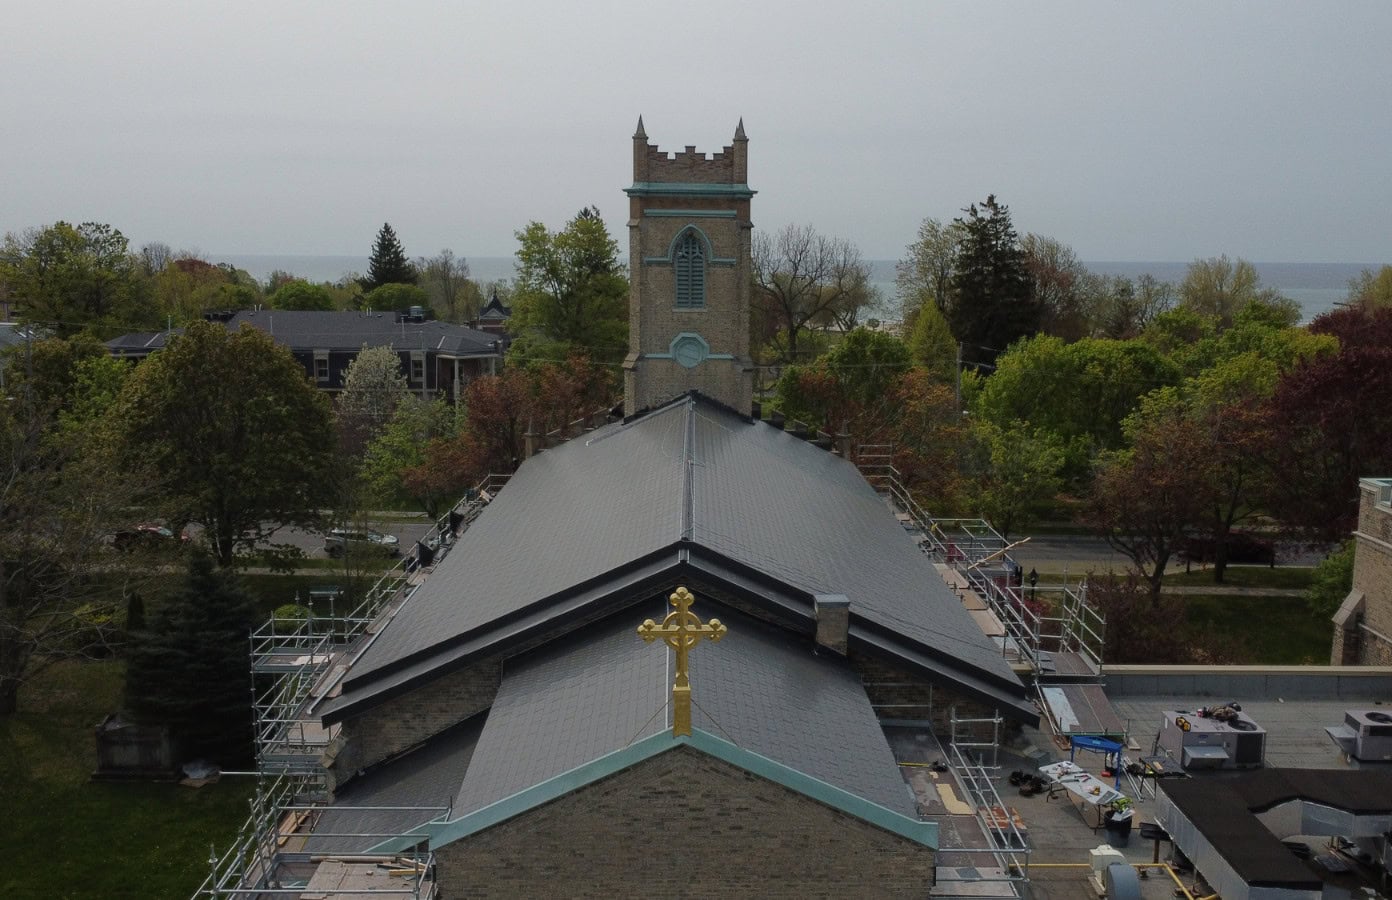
x=689, y=267
x=321, y=367
x=417, y=370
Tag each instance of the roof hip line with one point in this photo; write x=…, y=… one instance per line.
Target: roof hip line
x=689, y=455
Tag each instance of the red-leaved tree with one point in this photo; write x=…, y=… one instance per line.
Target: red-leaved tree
x=1331, y=424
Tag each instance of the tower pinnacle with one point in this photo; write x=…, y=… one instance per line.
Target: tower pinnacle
x=640, y=134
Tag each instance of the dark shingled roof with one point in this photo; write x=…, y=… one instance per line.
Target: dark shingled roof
x=1223, y=807
x=427, y=776
x=603, y=688
x=691, y=479
x=334, y=330
x=325, y=330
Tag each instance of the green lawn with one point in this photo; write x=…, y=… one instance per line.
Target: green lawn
x=66, y=837
x=1282, y=577
x=1245, y=576
x=1268, y=630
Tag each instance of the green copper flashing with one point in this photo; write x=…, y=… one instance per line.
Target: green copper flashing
x=674, y=188
x=925, y=833
x=538, y=794
x=690, y=213
x=442, y=833
x=721, y=261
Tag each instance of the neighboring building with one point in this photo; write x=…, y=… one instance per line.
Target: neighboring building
x=1363, y=624
x=437, y=358
x=494, y=316
x=689, y=269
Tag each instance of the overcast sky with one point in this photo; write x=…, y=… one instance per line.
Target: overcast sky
x=1167, y=131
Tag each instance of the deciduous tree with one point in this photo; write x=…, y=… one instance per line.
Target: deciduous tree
x=1126, y=308
x=805, y=280
x=571, y=292
x=1220, y=287
x=1333, y=416
x=60, y=499
x=243, y=441
x=1021, y=476
x=450, y=291
x=925, y=273
x=1371, y=290
x=1063, y=287
x=302, y=295
x=402, y=446
x=373, y=387
x=75, y=277
x=399, y=297
x=931, y=344
x=852, y=387
x=1143, y=498
x=1080, y=392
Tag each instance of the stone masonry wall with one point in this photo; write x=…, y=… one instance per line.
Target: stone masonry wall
x=899, y=694
x=683, y=824
x=654, y=319
x=1372, y=575
x=398, y=724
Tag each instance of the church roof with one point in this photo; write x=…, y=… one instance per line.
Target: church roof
x=688, y=487
x=604, y=688
x=598, y=702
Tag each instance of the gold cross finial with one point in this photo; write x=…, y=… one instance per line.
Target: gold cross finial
x=681, y=631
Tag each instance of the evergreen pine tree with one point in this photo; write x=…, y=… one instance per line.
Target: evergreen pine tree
x=993, y=304
x=190, y=670
x=388, y=264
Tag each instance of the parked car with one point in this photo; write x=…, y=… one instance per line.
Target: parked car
x=1243, y=547
x=339, y=540
x=148, y=535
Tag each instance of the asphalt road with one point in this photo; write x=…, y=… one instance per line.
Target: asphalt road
x=312, y=542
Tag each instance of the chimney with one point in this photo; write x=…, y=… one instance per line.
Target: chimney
x=529, y=441
x=833, y=612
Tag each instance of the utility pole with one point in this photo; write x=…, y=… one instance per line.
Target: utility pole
x=959, y=378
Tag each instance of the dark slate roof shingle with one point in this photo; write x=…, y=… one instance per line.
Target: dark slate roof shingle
x=690, y=474
x=603, y=688
x=426, y=778
x=337, y=330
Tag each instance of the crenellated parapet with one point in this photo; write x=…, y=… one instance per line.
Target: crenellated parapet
x=653, y=165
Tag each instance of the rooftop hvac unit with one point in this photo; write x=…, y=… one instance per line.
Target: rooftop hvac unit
x=1366, y=735
x=1204, y=742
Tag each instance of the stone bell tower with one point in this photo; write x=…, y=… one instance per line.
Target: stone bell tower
x=688, y=240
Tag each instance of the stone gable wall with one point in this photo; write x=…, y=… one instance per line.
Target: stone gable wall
x=897, y=693
x=1372, y=576
x=684, y=824
x=391, y=727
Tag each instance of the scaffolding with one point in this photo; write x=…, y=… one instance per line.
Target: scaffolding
x=1001, y=868
x=1058, y=641
x=300, y=662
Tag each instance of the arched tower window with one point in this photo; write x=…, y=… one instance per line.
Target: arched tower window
x=689, y=267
